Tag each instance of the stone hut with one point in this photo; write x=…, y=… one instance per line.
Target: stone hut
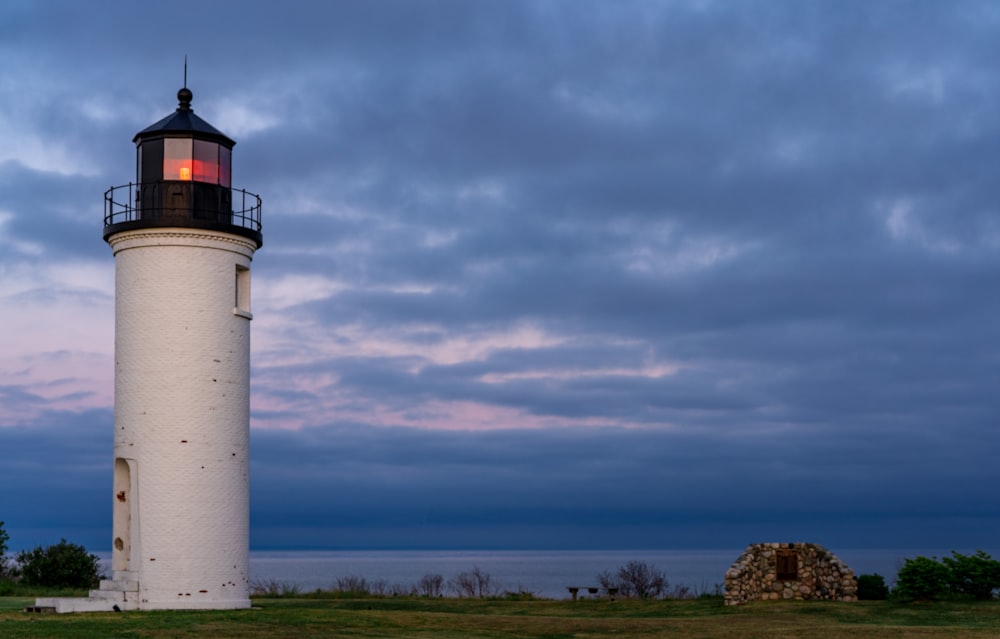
x=789, y=571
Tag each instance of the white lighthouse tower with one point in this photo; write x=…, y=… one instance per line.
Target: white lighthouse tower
x=183, y=241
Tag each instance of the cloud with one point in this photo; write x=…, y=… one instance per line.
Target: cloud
x=348, y=476
x=630, y=266
x=55, y=480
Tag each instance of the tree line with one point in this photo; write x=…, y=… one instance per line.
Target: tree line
x=975, y=576
x=635, y=579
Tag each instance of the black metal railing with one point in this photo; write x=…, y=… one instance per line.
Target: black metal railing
x=132, y=203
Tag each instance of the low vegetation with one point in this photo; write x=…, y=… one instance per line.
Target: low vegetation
x=872, y=587
x=974, y=576
x=4, y=538
x=499, y=618
x=955, y=597
x=62, y=565
x=47, y=570
x=635, y=579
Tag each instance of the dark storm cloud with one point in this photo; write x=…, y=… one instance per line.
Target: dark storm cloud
x=349, y=476
x=664, y=481
x=54, y=480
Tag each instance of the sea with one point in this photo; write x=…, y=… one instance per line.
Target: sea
x=543, y=573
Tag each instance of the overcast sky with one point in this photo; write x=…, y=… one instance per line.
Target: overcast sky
x=546, y=274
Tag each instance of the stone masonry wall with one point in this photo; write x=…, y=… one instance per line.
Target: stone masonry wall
x=809, y=571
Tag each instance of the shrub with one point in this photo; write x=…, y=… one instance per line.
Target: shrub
x=400, y=589
x=63, y=565
x=430, y=585
x=353, y=584
x=922, y=578
x=273, y=588
x=872, y=587
x=4, y=538
x=474, y=583
x=976, y=575
x=718, y=591
x=681, y=591
x=636, y=579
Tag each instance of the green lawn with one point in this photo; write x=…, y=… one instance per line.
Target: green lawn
x=301, y=618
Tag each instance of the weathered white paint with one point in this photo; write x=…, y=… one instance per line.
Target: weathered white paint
x=182, y=423
x=182, y=418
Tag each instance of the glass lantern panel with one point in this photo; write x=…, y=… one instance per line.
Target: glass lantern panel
x=150, y=161
x=177, y=158
x=225, y=166
x=206, y=161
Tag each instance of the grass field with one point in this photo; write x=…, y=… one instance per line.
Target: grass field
x=301, y=618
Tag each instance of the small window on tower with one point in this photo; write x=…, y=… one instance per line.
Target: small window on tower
x=242, y=302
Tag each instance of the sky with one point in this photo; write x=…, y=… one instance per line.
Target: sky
x=552, y=274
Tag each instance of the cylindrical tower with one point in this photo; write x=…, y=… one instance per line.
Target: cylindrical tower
x=182, y=370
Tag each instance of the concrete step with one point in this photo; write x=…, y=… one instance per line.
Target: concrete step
x=121, y=585
x=63, y=605
x=113, y=596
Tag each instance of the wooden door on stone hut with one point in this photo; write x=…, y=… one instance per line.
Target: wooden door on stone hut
x=788, y=565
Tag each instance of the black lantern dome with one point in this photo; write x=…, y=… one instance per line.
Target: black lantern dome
x=183, y=179
x=183, y=122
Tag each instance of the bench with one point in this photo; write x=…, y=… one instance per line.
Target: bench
x=593, y=590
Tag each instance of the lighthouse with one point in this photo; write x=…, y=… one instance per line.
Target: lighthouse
x=183, y=240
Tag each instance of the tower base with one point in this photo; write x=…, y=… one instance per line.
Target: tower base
x=112, y=596
x=116, y=595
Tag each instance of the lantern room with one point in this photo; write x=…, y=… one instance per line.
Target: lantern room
x=183, y=178
x=183, y=148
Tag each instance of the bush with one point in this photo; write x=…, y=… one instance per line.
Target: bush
x=718, y=591
x=681, y=591
x=872, y=587
x=636, y=579
x=923, y=579
x=431, y=585
x=353, y=584
x=4, y=538
x=975, y=575
x=63, y=565
x=273, y=588
x=475, y=583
